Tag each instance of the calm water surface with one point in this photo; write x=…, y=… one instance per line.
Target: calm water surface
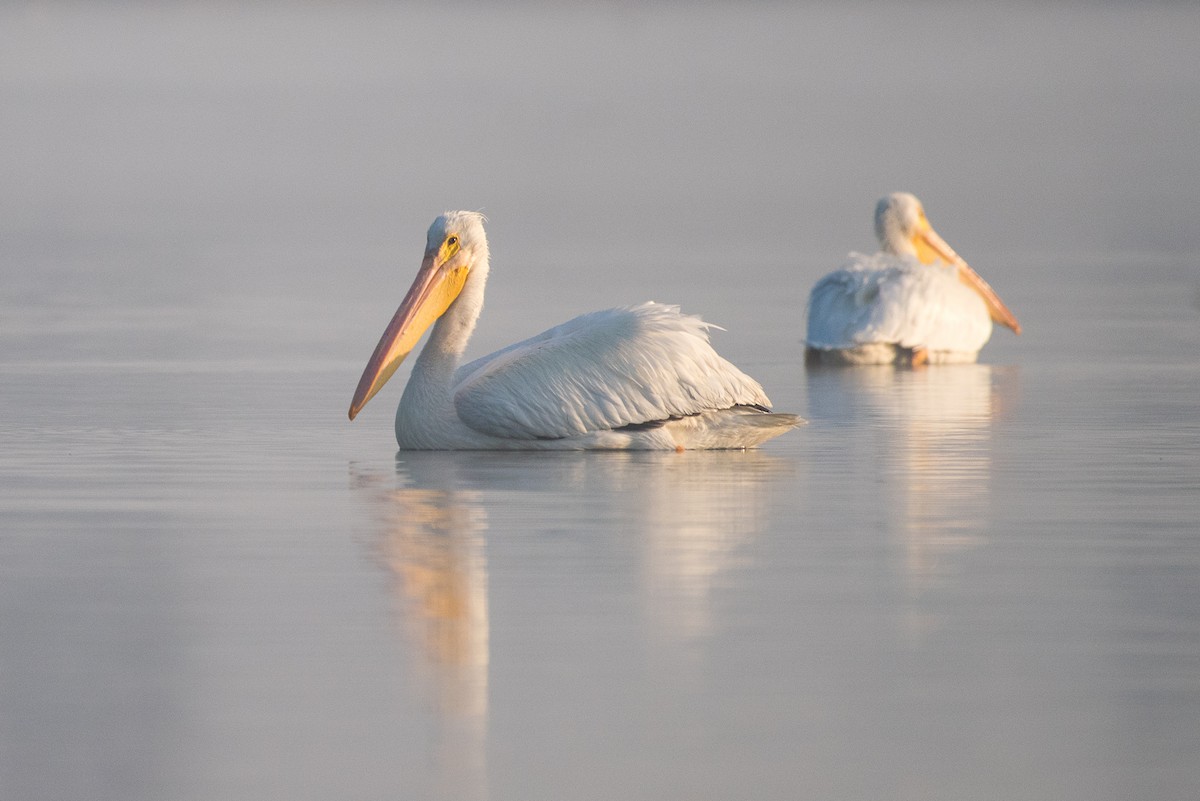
x=978, y=581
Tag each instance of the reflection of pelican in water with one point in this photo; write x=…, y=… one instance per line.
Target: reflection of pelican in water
x=431, y=541
x=701, y=511
x=928, y=437
x=688, y=517
x=691, y=517
x=668, y=527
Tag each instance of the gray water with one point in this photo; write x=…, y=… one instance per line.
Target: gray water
x=965, y=582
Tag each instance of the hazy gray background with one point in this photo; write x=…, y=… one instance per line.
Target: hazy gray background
x=176, y=153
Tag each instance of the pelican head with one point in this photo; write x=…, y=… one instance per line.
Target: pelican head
x=904, y=230
x=455, y=246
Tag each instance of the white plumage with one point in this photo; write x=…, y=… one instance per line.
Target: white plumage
x=916, y=301
x=897, y=304
x=638, y=377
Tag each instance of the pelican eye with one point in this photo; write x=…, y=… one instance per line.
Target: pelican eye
x=449, y=247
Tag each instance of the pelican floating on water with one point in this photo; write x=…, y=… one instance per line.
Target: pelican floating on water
x=915, y=302
x=639, y=377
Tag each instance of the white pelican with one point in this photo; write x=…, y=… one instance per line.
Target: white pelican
x=915, y=302
x=640, y=377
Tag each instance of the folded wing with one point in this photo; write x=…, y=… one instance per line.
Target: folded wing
x=601, y=371
x=890, y=299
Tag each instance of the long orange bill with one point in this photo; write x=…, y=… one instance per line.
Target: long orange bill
x=400, y=336
x=996, y=308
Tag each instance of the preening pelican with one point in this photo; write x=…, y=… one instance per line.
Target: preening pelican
x=640, y=377
x=915, y=302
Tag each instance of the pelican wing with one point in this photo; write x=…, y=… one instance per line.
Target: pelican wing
x=601, y=371
x=890, y=299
